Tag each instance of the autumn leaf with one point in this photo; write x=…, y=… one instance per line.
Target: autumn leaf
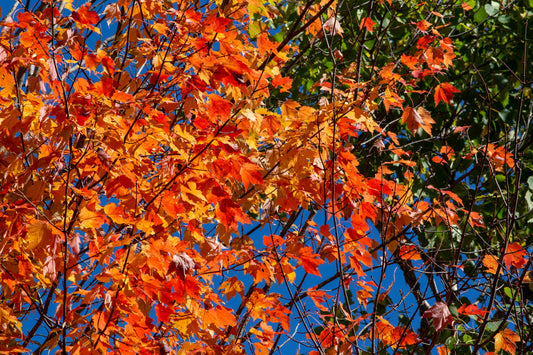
x=409, y=252
x=491, y=263
x=172, y=180
x=423, y=25
x=506, y=340
x=318, y=298
x=515, y=256
x=310, y=261
x=471, y=309
x=367, y=23
x=265, y=45
x=86, y=18
x=38, y=233
x=466, y=6
x=440, y=315
x=284, y=83
x=444, y=92
x=419, y=118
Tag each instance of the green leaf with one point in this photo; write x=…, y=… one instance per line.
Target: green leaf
x=492, y=8
x=494, y=325
x=481, y=15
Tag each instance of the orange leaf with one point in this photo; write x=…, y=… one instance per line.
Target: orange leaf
x=284, y=83
x=86, y=18
x=367, y=23
x=220, y=317
x=310, y=261
x=409, y=252
x=250, y=173
x=404, y=337
x=506, y=340
x=515, y=255
x=423, y=25
x=410, y=61
x=444, y=92
x=415, y=119
x=490, y=262
x=265, y=45
x=466, y=6
x=318, y=299
x=38, y=232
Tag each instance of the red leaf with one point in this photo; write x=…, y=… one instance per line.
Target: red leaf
x=86, y=16
x=471, y=309
x=424, y=42
x=444, y=92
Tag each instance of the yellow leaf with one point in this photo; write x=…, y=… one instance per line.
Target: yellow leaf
x=37, y=232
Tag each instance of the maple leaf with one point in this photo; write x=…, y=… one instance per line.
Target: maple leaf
x=49, y=268
x=444, y=92
x=310, y=261
x=37, y=234
x=410, y=61
x=367, y=23
x=440, y=314
x=491, y=263
x=86, y=18
x=409, y=252
x=424, y=41
x=317, y=297
x=515, y=255
x=471, y=309
x=423, y=25
x=403, y=337
x=499, y=156
x=265, y=45
x=284, y=83
x=415, y=119
x=506, y=340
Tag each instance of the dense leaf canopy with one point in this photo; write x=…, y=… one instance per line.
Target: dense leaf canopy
x=227, y=177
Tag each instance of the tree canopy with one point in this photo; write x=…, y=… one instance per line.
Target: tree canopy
x=231, y=177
